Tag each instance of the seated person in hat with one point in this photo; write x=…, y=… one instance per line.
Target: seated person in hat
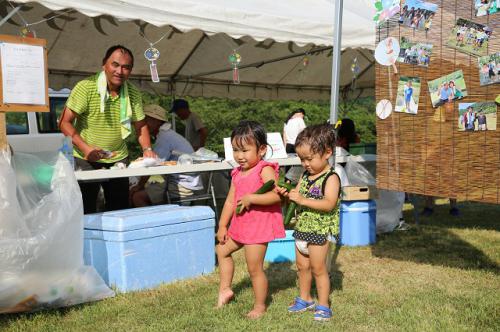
x=168, y=145
x=196, y=132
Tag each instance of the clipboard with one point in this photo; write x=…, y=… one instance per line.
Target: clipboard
x=36, y=49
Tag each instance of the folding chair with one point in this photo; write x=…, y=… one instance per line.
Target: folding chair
x=200, y=195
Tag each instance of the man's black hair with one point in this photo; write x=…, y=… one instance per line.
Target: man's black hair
x=114, y=48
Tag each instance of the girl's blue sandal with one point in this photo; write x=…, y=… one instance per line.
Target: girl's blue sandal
x=322, y=313
x=300, y=305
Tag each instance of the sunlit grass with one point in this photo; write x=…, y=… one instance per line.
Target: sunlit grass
x=441, y=275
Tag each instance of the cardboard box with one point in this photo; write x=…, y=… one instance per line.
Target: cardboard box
x=359, y=193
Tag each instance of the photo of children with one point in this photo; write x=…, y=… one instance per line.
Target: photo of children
x=489, y=69
x=408, y=94
x=417, y=14
x=478, y=116
x=385, y=9
x=470, y=37
x=414, y=53
x=486, y=7
x=447, y=88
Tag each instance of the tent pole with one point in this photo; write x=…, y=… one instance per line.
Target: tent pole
x=9, y=15
x=337, y=43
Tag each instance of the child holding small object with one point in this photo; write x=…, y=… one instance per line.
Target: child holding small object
x=255, y=216
x=317, y=195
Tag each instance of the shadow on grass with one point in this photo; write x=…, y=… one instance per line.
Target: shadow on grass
x=281, y=276
x=472, y=215
x=433, y=242
x=8, y=319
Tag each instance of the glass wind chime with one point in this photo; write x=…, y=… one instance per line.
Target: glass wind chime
x=152, y=54
x=26, y=32
x=355, y=70
x=235, y=60
x=305, y=64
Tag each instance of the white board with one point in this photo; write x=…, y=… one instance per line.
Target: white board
x=275, y=150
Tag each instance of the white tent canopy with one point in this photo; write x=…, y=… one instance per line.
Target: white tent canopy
x=272, y=38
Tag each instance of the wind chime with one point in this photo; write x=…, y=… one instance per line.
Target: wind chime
x=305, y=64
x=235, y=60
x=355, y=70
x=152, y=54
x=26, y=32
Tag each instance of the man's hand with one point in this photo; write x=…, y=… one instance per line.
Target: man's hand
x=94, y=154
x=148, y=153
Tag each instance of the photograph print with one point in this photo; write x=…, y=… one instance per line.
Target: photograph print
x=479, y=116
x=486, y=7
x=447, y=88
x=408, y=95
x=470, y=37
x=417, y=14
x=414, y=53
x=489, y=69
x=385, y=9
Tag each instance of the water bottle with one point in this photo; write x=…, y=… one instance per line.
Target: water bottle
x=67, y=150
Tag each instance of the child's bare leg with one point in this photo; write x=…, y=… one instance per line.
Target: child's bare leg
x=254, y=255
x=317, y=257
x=305, y=276
x=226, y=270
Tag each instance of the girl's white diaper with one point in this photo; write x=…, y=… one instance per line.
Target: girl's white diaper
x=302, y=246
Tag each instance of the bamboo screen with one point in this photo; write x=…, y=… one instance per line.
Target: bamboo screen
x=425, y=153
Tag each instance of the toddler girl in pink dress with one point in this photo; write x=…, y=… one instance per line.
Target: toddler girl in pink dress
x=260, y=219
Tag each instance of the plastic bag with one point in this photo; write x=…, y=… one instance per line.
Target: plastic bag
x=41, y=236
x=389, y=207
x=357, y=174
x=203, y=154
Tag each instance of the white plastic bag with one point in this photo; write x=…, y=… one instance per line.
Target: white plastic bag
x=357, y=174
x=41, y=236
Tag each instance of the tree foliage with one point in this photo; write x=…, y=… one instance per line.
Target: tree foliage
x=222, y=115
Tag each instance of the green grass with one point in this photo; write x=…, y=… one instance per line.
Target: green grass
x=442, y=275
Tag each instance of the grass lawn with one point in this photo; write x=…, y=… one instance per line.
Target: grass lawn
x=443, y=275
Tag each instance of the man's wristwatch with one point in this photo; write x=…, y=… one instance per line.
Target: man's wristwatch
x=147, y=149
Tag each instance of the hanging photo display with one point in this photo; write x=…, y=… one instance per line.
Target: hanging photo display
x=479, y=116
x=489, y=69
x=486, y=7
x=414, y=53
x=387, y=52
x=384, y=109
x=408, y=95
x=417, y=14
x=447, y=88
x=470, y=37
x=385, y=9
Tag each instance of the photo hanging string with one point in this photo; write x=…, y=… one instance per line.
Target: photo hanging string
x=26, y=30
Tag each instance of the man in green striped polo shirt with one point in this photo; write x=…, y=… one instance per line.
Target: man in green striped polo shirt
x=98, y=117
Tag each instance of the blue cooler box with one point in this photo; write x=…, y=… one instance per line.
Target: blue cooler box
x=281, y=250
x=358, y=223
x=144, y=247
